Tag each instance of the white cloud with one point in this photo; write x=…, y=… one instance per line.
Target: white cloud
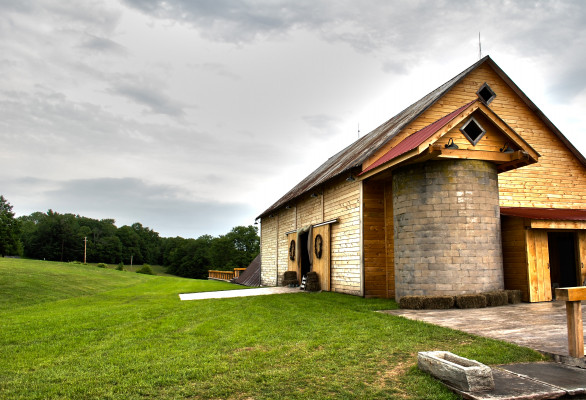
x=213, y=109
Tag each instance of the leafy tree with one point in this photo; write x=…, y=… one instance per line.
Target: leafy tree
x=191, y=258
x=236, y=249
x=9, y=229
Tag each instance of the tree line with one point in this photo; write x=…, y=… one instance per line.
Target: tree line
x=64, y=237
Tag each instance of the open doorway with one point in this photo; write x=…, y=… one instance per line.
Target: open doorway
x=304, y=253
x=562, y=259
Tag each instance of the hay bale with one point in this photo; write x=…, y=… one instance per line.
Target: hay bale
x=470, y=301
x=496, y=298
x=290, y=278
x=438, y=302
x=312, y=282
x=411, y=302
x=514, y=296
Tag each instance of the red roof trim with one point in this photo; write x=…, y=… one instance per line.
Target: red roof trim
x=555, y=214
x=415, y=139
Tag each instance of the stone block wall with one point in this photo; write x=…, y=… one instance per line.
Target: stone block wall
x=447, y=228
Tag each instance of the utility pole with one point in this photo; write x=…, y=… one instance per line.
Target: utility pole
x=84, y=248
x=132, y=255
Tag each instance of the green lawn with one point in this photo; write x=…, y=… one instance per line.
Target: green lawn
x=80, y=332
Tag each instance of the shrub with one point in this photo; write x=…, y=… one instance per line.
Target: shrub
x=471, y=301
x=438, y=302
x=411, y=302
x=496, y=298
x=101, y=265
x=514, y=296
x=145, y=269
x=120, y=267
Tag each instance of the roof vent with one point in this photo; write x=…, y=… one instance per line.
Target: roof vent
x=473, y=131
x=486, y=94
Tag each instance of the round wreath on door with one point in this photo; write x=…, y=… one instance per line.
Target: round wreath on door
x=318, y=246
x=292, y=250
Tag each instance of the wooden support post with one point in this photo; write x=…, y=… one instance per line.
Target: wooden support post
x=575, y=328
x=573, y=297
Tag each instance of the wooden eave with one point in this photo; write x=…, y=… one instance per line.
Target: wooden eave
x=428, y=150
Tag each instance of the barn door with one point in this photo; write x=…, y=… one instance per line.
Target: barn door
x=538, y=264
x=321, y=255
x=292, y=264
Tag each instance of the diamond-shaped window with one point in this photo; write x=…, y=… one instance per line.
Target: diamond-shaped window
x=473, y=131
x=486, y=94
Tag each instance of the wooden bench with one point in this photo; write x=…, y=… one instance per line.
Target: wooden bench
x=573, y=297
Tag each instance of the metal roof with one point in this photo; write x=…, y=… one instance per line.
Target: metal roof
x=555, y=214
x=355, y=154
x=251, y=276
x=414, y=140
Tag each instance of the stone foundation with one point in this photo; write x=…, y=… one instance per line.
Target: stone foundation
x=447, y=228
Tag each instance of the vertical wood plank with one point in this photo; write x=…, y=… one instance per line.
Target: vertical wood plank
x=389, y=239
x=322, y=265
x=581, y=267
x=532, y=266
x=292, y=264
x=545, y=275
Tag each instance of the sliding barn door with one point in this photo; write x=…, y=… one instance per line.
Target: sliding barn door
x=292, y=264
x=538, y=264
x=321, y=255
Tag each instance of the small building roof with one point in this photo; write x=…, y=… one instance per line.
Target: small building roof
x=554, y=214
x=417, y=138
x=251, y=276
x=355, y=154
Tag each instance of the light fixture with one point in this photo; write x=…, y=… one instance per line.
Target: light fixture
x=288, y=206
x=350, y=178
x=507, y=149
x=313, y=195
x=451, y=145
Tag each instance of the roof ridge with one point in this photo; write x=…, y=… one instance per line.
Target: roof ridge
x=358, y=151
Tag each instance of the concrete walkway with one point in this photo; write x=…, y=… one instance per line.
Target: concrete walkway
x=540, y=326
x=225, y=294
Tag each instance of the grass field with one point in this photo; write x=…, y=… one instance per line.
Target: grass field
x=80, y=332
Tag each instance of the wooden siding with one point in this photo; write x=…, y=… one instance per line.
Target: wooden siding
x=558, y=180
x=375, y=266
x=390, y=239
x=493, y=139
x=538, y=265
x=515, y=255
x=342, y=201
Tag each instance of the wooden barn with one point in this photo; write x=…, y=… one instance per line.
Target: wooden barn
x=470, y=189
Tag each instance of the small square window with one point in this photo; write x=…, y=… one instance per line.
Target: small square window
x=486, y=94
x=473, y=131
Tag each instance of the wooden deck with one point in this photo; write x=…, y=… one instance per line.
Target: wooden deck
x=225, y=275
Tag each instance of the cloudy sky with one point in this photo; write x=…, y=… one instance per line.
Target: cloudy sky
x=194, y=116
